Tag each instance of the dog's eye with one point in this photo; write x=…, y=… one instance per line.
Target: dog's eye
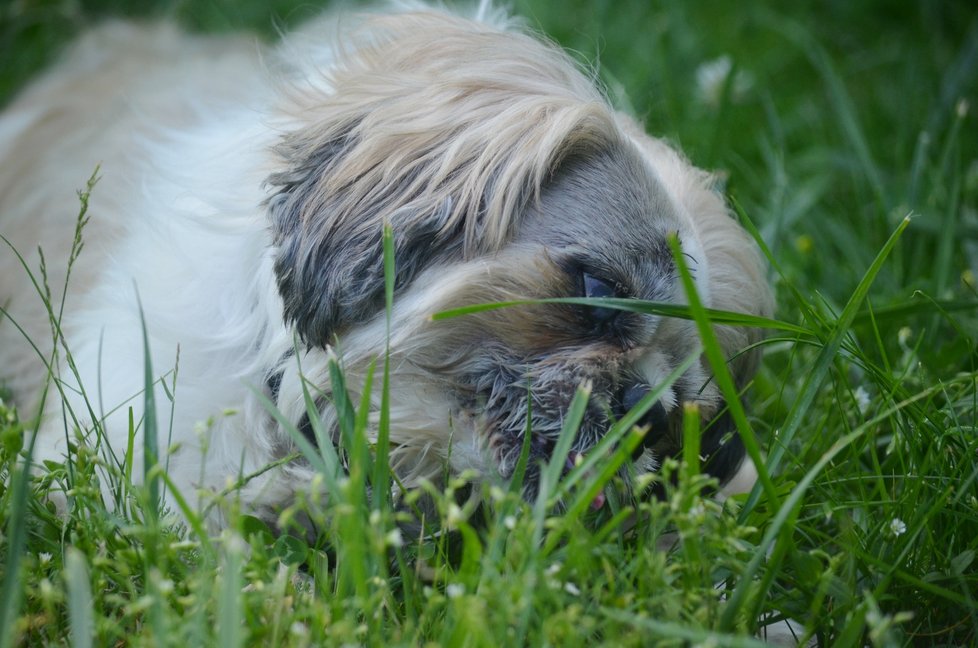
x=595, y=287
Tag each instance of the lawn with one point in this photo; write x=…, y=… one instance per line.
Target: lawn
x=846, y=133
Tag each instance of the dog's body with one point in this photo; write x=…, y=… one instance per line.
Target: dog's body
x=241, y=203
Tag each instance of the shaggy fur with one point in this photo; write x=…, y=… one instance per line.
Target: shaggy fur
x=242, y=197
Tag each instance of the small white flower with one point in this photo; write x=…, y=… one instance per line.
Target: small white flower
x=44, y=557
x=455, y=590
x=553, y=569
x=862, y=399
x=394, y=538
x=454, y=515
x=962, y=108
x=711, y=77
x=897, y=527
x=509, y=522
x=903, y=335
x=572, y=589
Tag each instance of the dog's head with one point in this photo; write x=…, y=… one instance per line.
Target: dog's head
x=504, y=175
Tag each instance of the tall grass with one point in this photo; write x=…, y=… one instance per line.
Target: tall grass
x=834, y=124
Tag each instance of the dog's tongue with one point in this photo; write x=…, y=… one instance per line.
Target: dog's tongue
x=572, y=459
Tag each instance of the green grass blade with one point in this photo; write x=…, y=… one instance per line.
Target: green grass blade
x=309, y=452
x=789, y=508
x=516, y=480
x=813, y=379
x=664, y=309
x=572, y=423
x=80, y=604
x=150, y=440
x=346, y=417
x=229, y=615
x=382, y=476
x=721, y=374
x=11, y=589
x=621, y=427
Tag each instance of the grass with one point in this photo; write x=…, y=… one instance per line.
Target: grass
x=836, y=121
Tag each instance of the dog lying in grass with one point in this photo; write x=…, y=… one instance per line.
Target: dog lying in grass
x=239, y=216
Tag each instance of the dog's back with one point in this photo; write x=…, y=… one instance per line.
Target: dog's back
x=116, y=89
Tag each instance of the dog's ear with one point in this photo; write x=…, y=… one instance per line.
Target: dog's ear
x=331, y=206
x=329, y=261
x=419, y=130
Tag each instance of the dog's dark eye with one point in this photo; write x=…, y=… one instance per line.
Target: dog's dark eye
x=595, y=287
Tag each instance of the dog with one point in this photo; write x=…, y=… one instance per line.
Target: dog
x=238, y=217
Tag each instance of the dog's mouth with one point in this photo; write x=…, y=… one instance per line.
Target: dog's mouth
x=511, y=399
x=508, y=449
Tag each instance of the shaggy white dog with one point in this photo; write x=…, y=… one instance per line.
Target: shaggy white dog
x=241, y=202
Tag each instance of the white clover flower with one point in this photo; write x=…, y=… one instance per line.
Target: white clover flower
x=862, y=399
x=454, y=590
x=897, y=527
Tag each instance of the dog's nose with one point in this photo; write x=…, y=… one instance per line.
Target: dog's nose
x=656, y=418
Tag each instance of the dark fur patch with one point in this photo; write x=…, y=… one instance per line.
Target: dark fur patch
x=330, y=266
